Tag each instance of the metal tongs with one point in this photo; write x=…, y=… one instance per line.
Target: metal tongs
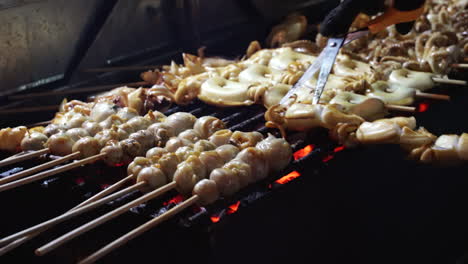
x=327, y=57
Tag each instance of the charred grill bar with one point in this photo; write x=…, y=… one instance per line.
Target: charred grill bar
x=330, y=205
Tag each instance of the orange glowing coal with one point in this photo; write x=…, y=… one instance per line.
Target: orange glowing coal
x=338, y=149
x=233, y=207
x=303, y=152
x=215, y=218
x=422, y=107
x=174, y=200
x=289, y=177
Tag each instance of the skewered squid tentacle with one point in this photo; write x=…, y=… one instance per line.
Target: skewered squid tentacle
x=189, y=88
x=363, y=106
x=10, y=138
x=418, y=80
x=420, y=144
x=222, y=92
x=253, y=47
x=392, y=93
x=303, y=117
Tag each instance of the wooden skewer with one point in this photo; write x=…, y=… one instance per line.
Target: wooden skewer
x=38, y=168
x=126, y=68
x=43, y=123
x=401, y=108
x=139, y=230
x=30, y=109
x=73, y=91
x=51, y=172
x=106, y=191
x=15, y=155
x=70, y=214
x=98, y=196
x=104, y=218
x=449, y=81
x=460, y=65
x=433, y=96
x=23, y=157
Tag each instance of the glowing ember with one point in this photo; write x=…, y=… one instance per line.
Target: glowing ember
x=422, y=107
x=338, y=149
x=303, y=152
x=328, y=158
x=215, y=218
x=233, y=207
x=175, y=200
x=119, y=164
x=287, y=178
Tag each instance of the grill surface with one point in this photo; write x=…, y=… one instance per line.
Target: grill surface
x=358, y=204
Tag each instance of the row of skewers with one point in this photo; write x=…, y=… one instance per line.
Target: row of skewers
x=183, y=163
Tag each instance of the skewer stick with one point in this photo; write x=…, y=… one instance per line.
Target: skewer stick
x=139, y=230
x=23, y=157
x=43, y=123
x=98, y=196
x=101, y=220
x=73, y=91
x=15, y=155
x=70, y=214
x=401, y=108
x=51, y=172
x=433, y=96
x=448, y=81
x=106, y=191
x=460, y=65
x=38, y=168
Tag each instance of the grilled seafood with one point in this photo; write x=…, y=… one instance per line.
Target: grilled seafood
x=10, y=138
x=303, y=117
x=419, y=143
x=360, y=105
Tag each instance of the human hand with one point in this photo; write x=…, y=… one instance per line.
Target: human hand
x=338, y=21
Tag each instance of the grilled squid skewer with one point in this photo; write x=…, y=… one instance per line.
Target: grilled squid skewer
x=191, y=164
x=65, y=130
x=303, y=117
x=104, y=146
x=188, y=173
x=93, y=116
x=419, y=143
x=148, y=174
x=153, y=175
x=204, y=192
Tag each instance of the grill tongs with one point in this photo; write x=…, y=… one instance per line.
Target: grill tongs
x=327, y=57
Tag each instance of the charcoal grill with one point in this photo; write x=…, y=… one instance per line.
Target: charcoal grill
x=331, y=205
